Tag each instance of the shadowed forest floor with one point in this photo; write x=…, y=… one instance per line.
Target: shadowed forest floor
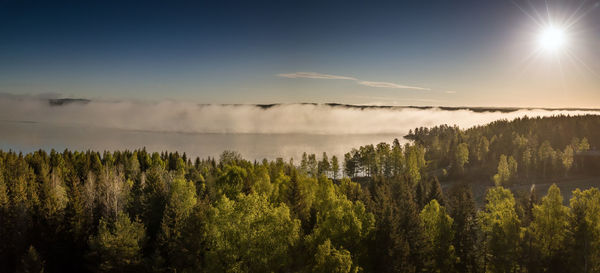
x=566, y=185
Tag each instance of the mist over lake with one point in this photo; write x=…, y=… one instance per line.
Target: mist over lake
x=256, y=131
x=27, y=137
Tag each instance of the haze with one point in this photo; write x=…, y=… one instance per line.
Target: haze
x=287, y=130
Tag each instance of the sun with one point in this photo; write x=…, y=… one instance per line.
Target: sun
x=552, y=39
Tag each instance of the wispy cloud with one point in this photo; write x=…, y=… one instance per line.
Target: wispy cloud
x=390, y=85
x=450, y=92
x=315, y=75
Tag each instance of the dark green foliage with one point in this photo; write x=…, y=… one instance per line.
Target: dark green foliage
x=31, y=262
x=117, y=246
x=461, y=207
x=534, y=149
x=435, y=192
x=134, y=211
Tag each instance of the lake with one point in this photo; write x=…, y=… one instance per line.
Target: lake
x=255, y=131
x=31, y=136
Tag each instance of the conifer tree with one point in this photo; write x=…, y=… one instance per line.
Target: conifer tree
x=335, y=166
x=117, y=246
x=461, y=207
x=31, y=262
x=435, y=192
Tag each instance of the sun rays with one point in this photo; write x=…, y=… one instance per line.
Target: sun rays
x=554, y=37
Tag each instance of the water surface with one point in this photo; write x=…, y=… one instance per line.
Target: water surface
x=31, y=136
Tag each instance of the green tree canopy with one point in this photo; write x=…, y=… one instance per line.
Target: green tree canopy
x=503, y=175
x=501, y=227
x=584, y=231
x=328, y=259
x=250, y=235
x=117, y=247
x=440, y=234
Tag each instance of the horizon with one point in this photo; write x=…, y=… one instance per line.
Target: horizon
x=59, y=99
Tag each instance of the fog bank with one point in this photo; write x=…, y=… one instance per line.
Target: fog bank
x=185, y=117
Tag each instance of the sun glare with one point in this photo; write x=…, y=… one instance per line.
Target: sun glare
x=552, y=39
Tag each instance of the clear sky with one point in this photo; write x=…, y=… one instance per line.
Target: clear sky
x=452, y=53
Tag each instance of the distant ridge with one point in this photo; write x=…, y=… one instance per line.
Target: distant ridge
x=59, y=102
x=477, y=109
x=446, y=108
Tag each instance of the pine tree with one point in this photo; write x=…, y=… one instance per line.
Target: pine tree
x=399, y=238
x=324, y=166
x=31, y=262
x=296, y=201
x=335, y=166
x=435, y=192
x=4, y=198
x=117, y=247
x=180, y=204
x=461, y=158
x=461, y=207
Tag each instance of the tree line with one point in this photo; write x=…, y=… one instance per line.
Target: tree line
x=136, y=211
x=505, y=152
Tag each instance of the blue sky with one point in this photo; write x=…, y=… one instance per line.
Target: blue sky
x=473, y=53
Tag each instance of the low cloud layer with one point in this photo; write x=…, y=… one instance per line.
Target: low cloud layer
x=173, y=116
x=315, y=75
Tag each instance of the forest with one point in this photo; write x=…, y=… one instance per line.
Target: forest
x=382, y=208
